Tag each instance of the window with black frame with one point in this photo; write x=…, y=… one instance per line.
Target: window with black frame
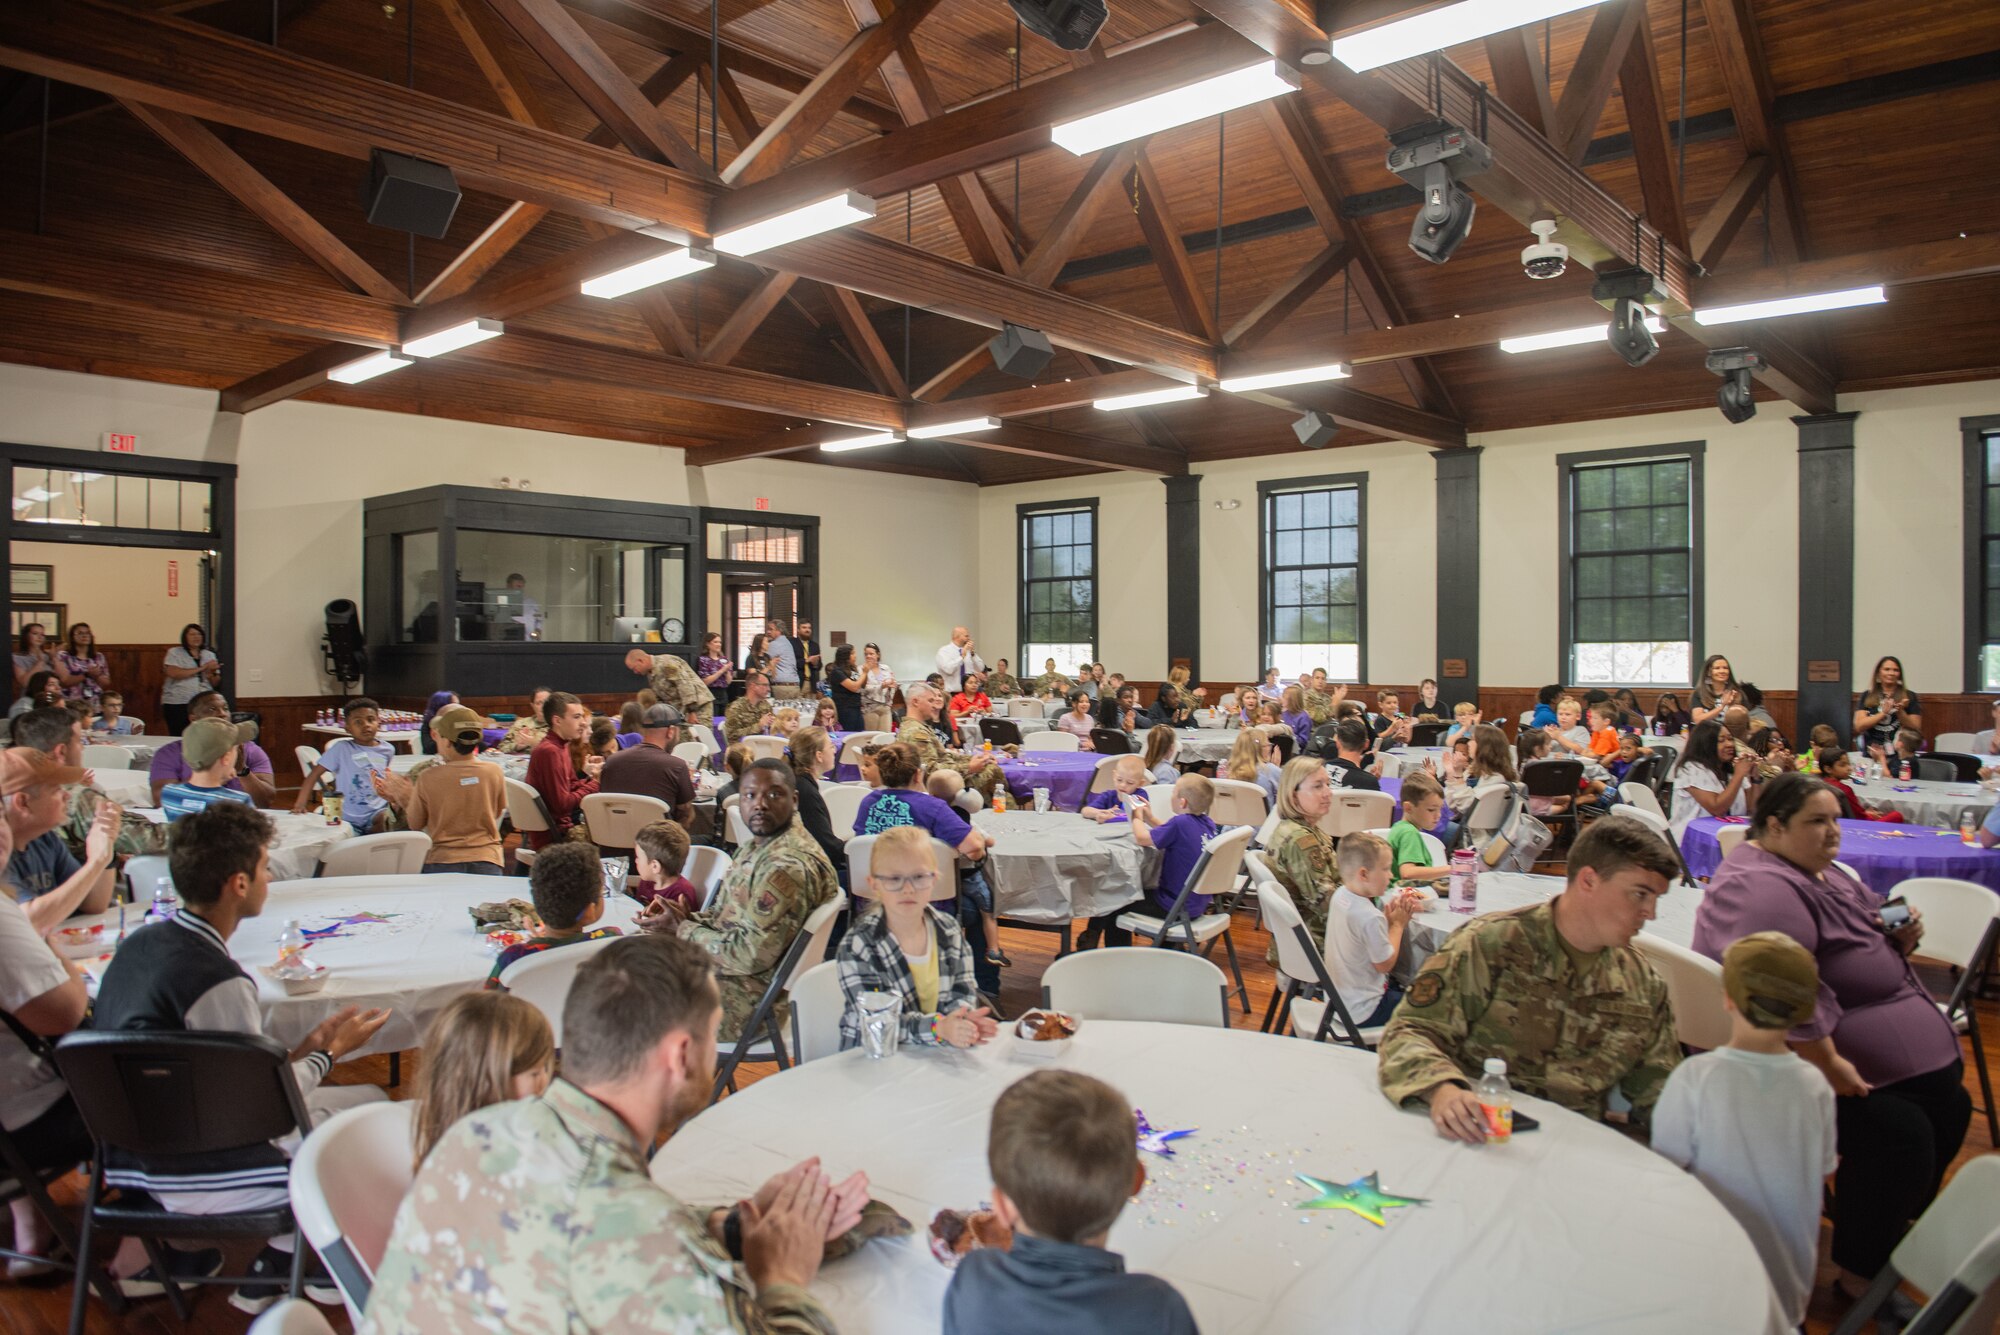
x=1058, y=612
x=1313, y=588
x=1631, y=525
x=1989, y=561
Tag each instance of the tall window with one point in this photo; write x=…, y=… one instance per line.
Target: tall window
x=1058, y=613
x=1631, y=565
x=1314, y=590
x=1982, y=552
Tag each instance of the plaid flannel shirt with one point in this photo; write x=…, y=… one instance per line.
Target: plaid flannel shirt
x=871, y=961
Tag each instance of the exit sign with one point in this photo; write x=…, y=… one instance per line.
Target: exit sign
x=117, y=443
x=761, y=503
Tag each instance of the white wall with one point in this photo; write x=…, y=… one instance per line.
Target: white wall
x=121, y=591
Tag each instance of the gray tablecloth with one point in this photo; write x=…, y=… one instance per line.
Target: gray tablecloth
x=1205, y=746
x=1927, y=801
x=1053, y=866
x=1511, y=890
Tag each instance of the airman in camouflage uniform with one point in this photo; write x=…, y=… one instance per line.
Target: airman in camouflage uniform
x=523, y=735
x=1301, y=858
x=136, y=836
x=677, y=684
x=772, y=887
x=1321, y=704
x=923, y=702
x=745, y=718
x=1051, y=683
x=1570, y=1026
x=538, y=1218
x=1003, y=685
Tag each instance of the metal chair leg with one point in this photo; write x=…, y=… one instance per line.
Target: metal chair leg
x=1242, y=988
x=299, y=1245
x=81, y=1294
x=183, y=1308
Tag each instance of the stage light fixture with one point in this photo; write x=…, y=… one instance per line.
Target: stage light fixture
x=1629, y=333
x=1736, y=366
x=1435, y=156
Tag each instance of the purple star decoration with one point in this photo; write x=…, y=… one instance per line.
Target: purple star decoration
x=1156, y=1142
x=334, y=929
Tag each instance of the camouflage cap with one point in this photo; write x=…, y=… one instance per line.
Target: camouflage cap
x=1772, y=980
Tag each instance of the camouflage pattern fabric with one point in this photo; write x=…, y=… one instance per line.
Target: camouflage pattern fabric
x=681, y=686
x=932, y=755
x=772, y=888
x=523, y=736
x=537, y=1218
x=744, y=718
x=1301, y=857
x=136, y=835
x=1003, y=685
x=1319, y=705
x=1051, y=683
x=1505, y=986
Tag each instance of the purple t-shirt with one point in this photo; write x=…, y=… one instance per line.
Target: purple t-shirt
x=168, y=767
x=1112, y=800
x=1180, y=842
x=886, y=808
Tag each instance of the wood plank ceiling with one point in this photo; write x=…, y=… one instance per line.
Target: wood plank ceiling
x=184, y=205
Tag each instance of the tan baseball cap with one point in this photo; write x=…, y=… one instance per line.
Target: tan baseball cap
x=23, y=767
x=1772, y=979
x=208, y=740
x=460, y=723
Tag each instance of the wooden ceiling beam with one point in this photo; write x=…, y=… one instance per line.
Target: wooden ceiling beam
x=1594, y=75
x=1163, y=238
x=866, y=344
x=306, y=371
x=1521, y=77
x=1028, y=400
x=1367, y=412
x=556, y=279
x=751, y=312
x=254, y=191
x=1731, y=209
x=1739, y=54
x=1021, y=438
x=1974, y=256
x=198, y=71
x=1652, y=144
x=507, y=230
x=789, y=440
x=1278, y=305
x=731, y=106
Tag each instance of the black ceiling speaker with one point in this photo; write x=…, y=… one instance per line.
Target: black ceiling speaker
x=1021, y=351
x=1316, y=430
x=410, y=195
x=1070, y=24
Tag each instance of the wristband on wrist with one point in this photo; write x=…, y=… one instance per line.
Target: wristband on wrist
x=732, y=1232
x=936, y=1021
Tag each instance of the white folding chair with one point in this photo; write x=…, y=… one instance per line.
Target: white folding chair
x=399, y=854
x=1392, y=765
x=1640, y=796
x=1357, y=810
x=1024, y=707
x=1214, y=874
x=106, y=757
x=348, y=1177
x=1488, y=812
x=1652, y=820
x=145, y=873
x=1054, y=739
x=1100, y=776
x=760, y=1040
x=1952, y=1253
x=1160, y=797
x=732, y=814
x=1694, y=989
x=296, y=1316
x=766, y=748
x=1962, y=929
x=528, y=814
x=308, y=757
x=1306, y=997
x=705, y=869
x=1965, y=742
x=861, y=848
x=703, y=733
x=543, y=979
x=1135, y=983
x=817, y=1004
x=1269, y=828
x=692, y=754
x=843, y=806
x=851, y=748
x=1728, y=836
x=1237, y=803
x=613, y=820
x=969, y=800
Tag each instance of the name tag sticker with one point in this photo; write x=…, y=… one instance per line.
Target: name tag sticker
x=471, y=781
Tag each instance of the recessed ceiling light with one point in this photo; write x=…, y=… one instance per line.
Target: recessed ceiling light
x=1570, y=338
x=1301, y=376
x=1437, y=29
x=963, y=427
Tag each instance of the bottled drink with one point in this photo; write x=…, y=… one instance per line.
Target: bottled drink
x=1968, y=827
x=329, y=803
x=999, y=799
x=1464, y=881
x=166, y=901
x=1496, y=1101
x=291, y=944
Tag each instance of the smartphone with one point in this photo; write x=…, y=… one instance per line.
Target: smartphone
x=1895, y=912
x=1523, y=1122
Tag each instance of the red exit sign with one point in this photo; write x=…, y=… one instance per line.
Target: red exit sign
x=117, y=443
x=761, y=503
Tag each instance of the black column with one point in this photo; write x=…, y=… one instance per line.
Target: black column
x=1458, y=573
x=1826, y=571
x=1184, y=572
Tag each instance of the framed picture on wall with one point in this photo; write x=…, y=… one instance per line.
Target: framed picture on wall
x=53, y=618
x=33, y=583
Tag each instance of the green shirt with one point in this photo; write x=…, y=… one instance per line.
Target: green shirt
x=1406, y=845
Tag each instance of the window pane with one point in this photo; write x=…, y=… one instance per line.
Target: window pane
x=1593, y=488
x=563, y=590
x=1593, y=577
x=1040, y=529
x=1631, y=529
x=1290, y=508
x=1343, y=586
x=1285, y=588
x=1670, y=618
x=417, y=561
x=1346, y=546
x=1080, y=592
x=1081, y=561
x=1040, y=563
x=1318, y=509
x=1080, y=524
x=1630, y=576
x=1058, y=561
x=1670, y=574
x=1670, y=526
x=1670, y=482
x=1593, y=619
x=1633, y=486
x=1347, y=506
x=1633, y=619
x=1318, y=547
x=1291, y=546
x=1285, y=623
x=1593, y=531
x=1343, y=626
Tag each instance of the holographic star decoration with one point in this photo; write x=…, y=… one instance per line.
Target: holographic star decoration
x=1363, y=1196
x=1157, y=1142
x=326, y=933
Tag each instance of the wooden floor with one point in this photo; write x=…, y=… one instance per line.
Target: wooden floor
x=44, y=1310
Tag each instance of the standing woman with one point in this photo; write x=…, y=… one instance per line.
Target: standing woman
x=845, y=683
x=756, y=660
x=713, y=668
x=878, y=689
x=811, y=755
x=1885, y=707
x=80, y=668
x=190, y=670
x=32, y=655
x=1716, y=689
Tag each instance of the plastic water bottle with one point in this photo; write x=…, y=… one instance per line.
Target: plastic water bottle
x=166, y=901
x=1496, y=1101
x=1968, y=827
x=1464, y=881
x=291, y=943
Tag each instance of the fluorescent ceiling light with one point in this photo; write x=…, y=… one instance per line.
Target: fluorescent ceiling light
x=454, y=338
x=1301, y=376
x=1152, y=396
x=86, y=477
x=39, y=494
x=675, y=263
x=22, y=503
x=1436, y=29
x=367, y=368
x=1570, y=338
x=807, y=220
x=1179, y=106
x=1768, y=310
x=862, y=442
x=963, y=427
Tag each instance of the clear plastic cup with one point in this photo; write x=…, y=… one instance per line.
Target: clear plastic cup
x=881, y=1023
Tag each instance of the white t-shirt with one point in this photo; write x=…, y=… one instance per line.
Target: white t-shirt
x=1357, y=935
x=1686, y=809
x=1758, y=1129
x=182, y=690
x=29, y=1085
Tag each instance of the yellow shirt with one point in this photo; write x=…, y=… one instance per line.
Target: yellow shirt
x=924, y=973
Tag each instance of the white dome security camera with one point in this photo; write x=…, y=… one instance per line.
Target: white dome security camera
x=1547, y=258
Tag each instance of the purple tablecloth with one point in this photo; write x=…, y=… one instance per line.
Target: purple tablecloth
x=1065, y=774
x=1879, y=854
x=1394, y=788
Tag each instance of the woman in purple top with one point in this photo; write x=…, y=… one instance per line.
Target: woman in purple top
x=713, y=669
x=1892, y=1059
x=1294, y=715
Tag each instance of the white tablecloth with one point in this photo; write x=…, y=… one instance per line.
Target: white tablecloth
x=406, y=738
x=1511, y=890
x=1927, y=801
x=141, y=746
x=1052, y=866
x=1205, y=746
x=1569, y=1228
x=127, y=787
x=299, y=843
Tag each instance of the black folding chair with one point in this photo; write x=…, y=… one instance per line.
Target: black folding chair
x=1000, y=731
x=165, y=1096
x=1428, y=734
x=1110, y=742
x=763, y=1021
x=1642, y=771
x=1561, y=777
x=1965, y=768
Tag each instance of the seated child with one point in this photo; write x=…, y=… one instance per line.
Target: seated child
x=484, y=1048
x=1060, y=1194
x=1128, y=776
x=355, y=764
x=1628, y=755
x=1902, y=762
x=1836, y=769
x=1362, y=939
x=1823, y=738
x=567, y=884
x=1465, y=717
x=911, y=949
x=1533, y=744
x=658, y=855
x=1180, y=836
x=900, y=802
x=209, y=749
x=866, y=764
x=1423, y=805
x=1603, y=736
x=114, y=721
x=1754, y=1120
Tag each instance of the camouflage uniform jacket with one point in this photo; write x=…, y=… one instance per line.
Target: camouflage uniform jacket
x=1002, y=686
x=1504, y=986
x=923, y=739
x=772, y=887
x=136, y=836
x=537, y=1218
x=1051, y=683
x=679, y=685
x=743, y=718
x=524, y=734
x=1301, y=857
x=1319, y=705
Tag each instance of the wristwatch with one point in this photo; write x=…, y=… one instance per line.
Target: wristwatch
x=732, y=1232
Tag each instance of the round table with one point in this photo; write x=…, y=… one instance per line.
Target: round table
x=1499, y=891
x=301, y=839
x=1539, y=1235
x=1066, y=774
x=1053, y=866
x=1927, y=801
x=1883, y=856
x=140, y=745
x=127, y=787
x=1205, y=746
